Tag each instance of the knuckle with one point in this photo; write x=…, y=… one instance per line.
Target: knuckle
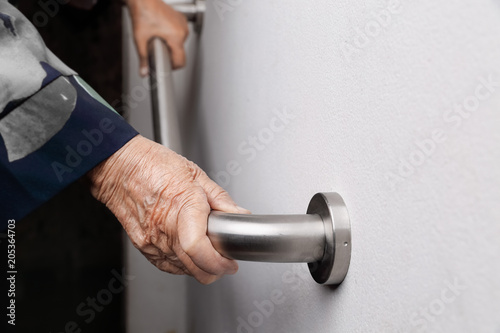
x=174, y=203
x=185, y=33
x=181, y=33
x=219, y=193
x=194, y=170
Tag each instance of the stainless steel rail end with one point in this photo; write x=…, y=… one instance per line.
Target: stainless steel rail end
x=321, y=238
x=332, y=268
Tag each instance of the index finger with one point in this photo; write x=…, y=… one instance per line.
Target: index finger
x=193, y=239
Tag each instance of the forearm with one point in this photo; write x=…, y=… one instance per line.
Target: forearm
x=54, y=127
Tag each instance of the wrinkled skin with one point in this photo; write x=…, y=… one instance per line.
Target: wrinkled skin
x=154, y=18
x=163, y=201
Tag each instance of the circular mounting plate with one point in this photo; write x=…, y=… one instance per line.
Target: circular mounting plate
x=333, y=267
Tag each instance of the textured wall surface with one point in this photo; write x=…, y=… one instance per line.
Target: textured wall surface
x=395, y=106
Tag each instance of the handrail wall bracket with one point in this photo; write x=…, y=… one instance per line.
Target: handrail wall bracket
x=332, y=268
x=194, y=12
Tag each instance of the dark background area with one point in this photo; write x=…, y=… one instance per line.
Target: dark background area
x=67, y=249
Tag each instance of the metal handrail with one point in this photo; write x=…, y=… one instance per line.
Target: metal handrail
x=165, y=116
x=321, y=238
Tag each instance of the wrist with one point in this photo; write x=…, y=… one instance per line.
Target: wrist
x=134, y=7
x=105, y=177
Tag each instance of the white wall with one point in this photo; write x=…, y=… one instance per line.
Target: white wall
x=425, y=246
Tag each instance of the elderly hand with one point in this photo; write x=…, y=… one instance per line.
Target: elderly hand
x=163, y=201
x=154, y=18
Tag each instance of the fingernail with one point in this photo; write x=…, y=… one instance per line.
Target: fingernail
x=144, y=71
x=243, y=210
